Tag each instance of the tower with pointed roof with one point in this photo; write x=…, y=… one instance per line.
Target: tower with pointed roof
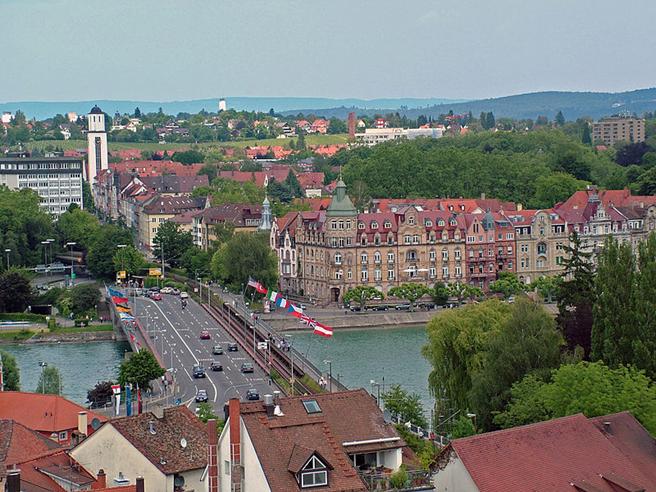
x=341, y=205
x=266, y=215
x=97, y=155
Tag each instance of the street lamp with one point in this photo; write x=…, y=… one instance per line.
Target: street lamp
x=374, y=383
x=7, y=251
x=291, y=360
x=70, y=245
x=43, y=365
x=330, y=373
x=45, y=252
x=121, y=246
x=473, y=417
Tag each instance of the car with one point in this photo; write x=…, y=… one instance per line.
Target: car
x=201, y=396
x=205, y=335
x=184, y=295
x=175, y=292
x=379, y=307
x=217, y=350
x=247, y=367
x=165, y=290
x=216, y=366
x=156, y=296
x=252, y=394
x=153, y=289
x=355, y=308
x=198, y=371
x=233, y=347
x=402, y=307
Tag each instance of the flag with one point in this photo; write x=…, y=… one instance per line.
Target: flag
x=115, y=293
x=273, y=295
x=321, y=329
x=128, y=400
x=257, y=286
x=139, y=402
x=294, y=310
x=282, y=302
x=119, y=300
x=122, y=309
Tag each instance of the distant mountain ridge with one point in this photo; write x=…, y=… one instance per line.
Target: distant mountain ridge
x=45, y=109
x=531, y=105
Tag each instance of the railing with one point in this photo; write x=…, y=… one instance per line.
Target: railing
x=379, y=480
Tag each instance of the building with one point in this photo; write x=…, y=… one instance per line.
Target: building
x=97, y=154
x=282, y=241
x=241, y=217
x=613, y=453
x=618, y=129
x=57, y=180
x=159, y=209
x=374, y=136
x=170, y=453
x=326, y=441
x=223, y=106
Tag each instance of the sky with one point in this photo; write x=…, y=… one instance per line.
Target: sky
x=164, y=50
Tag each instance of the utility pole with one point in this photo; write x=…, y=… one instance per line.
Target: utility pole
x=161, y=246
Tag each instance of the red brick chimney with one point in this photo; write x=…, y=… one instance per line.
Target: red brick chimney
x=351, y=125
x=235, y=443
x=140, y=484
x=101, y=480
x=212, y=457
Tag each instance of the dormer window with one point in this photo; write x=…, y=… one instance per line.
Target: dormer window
x=411, y=220
x=374, y=224
x=428, y=223
x=360, y=225
x=313, y=474
x=388, y=224
x=440, y=223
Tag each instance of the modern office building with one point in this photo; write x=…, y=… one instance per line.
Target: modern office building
x=618, y=129
x=57, y=180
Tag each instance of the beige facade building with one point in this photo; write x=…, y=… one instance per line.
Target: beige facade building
x=618, y=129
x=159, y=209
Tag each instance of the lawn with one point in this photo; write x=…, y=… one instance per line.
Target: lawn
x=151, y=146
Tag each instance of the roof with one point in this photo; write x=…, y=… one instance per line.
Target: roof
x=43, y=413
x=341, y=205
x=95, y=110
x=234, y=213
x=549, y=455
x=284, y=443
x=18, y=443
x=163, y=448
x=170, y=183
x=171, y=205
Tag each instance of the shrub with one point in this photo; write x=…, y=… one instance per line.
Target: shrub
x=399, y=478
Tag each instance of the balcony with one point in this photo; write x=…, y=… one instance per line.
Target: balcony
x=379, y=479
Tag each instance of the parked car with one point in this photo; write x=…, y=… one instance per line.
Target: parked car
x=199, y=372
x=217, y=350
x=205, y=335
x=165, y=290
x=175, y=292
x=216, y=366
x=201, y=396
x=233, y=347
x=247, y=367
x=153, y=289
x=402, y=307
x=379, y=307
x=184, y=295
x=156, y=296
x=252, y=394
x=355, y=308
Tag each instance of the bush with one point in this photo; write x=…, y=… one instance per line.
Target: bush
x=37, y=318
x=399, y=478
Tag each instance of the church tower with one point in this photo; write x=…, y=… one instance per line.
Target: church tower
x=97, y=156
x=266, y=215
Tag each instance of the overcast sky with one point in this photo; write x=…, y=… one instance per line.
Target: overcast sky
x=171, y=49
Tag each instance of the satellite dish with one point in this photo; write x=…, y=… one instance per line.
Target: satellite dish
x=95, y=423
x=183, y=443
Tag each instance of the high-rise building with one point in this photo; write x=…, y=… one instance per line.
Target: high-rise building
x=97, y=155
x=618, y=129
x=222, y=105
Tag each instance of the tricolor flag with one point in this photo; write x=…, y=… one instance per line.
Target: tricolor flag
x=294, y=310
x=282, y=302
x=115, y=293
x=273, y=295
x=321, y=329
x=257, y=286
x=119, y=300
x=122, y=309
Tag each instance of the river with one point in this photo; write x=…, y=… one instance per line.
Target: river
x=386, y=355
x=81, y=365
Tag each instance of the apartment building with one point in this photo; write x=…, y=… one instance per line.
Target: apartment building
x=618, y=129
x=241, y=217
x=159, y=209
x=57, y=180
x=374, y=136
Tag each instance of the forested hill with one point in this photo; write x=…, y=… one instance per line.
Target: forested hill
x=524, y=106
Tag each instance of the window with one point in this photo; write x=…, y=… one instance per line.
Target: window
x=542, y=249
x=390, y=257
x=360, y=225
x=377, y=257
x=374, y=224
x=432, y=272
x=411, y=220
x=63, y=436
x=445, y=272
x=445, y=255
x=364, y=275
x=363, y=240
x=390, y=274
x=388, y=224
x=377, y=275
x=311, y=406
x=314, y=473
x=407, y=239
x=226, y=467
x=338, y=275
x=349, y=275
x=338, y=259
x=431, y=255
x=428, y=223
x=363, y=258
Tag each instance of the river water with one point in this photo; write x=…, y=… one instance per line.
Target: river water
x=81, y=365
x=386, y=355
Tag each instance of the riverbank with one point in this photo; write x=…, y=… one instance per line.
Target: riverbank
x=355, y=320
x=98, y=333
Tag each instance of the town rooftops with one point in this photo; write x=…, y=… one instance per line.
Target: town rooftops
x=18, y=443
x=329, y=425
x=169, y=183
x=158, y=439
x=567, y=454
x=171, y=205
x=43, y=413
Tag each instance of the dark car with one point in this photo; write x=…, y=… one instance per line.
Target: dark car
x=199, y=372
x=402, y=307
x=247, y=367
x=217, y=350
x=379, y=307
x=204, y=335
x=233, y=347
x=216, y=366
x=153, y=289
x=252, y=394
x=355, y=308
x=201, y=396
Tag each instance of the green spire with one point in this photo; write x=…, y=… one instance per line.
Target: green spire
x=341, y=205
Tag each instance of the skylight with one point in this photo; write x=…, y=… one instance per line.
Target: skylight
x=311, y=406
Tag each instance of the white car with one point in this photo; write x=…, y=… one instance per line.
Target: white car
x=184, y=295
x=165, y=290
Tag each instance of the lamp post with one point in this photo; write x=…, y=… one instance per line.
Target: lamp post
x=7, y=251
x=374, y=383
x=121, y=246
x=45, y=253
x=330, y=373
x=70, y=249
x=473, y=417
x=43, y=365
x=291, y=359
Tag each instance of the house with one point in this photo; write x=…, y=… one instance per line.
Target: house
x=311, y=183
x=170, y=452
x=319, y=126
x=300, y=443
x=159, y=209
x=52, y=416
x=613, y=453
x=243, y=217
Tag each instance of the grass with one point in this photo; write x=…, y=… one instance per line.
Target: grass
x=16, y=336
x=281, y=382
x=83, y=329
x=22, y=335
x=36, y=318
x=152, y=146
x=310, y=383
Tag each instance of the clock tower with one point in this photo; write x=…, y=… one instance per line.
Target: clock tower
x=97, y=156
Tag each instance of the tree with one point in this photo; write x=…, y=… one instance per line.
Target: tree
x=404, y=406
x=614, y=329
x=593, y=389
x=362, y=294
x=586, y=137
x=15, y=291
x=646, y=184
x=464, y=291
x=291, y=181
x=547, y=287
x=10, y=372
x=527, y=342
x=188, y=156
x=440, y=294
x=84, y=297
x=129, y=259
x=100, y=257
x=244, y=256
x=137, y=112
x=77, y=226
x=101, y=394
x=644, y=345
x=174, y=241
x=507, y=285
x=50, y=381
x=631, y=153
x=462, y=427
x=409, y=292
x=206, y=413
x=300, y=142
x=223, y=232
x=553, y=188
x=140, y=369
x=576, y=296
x=560, y=119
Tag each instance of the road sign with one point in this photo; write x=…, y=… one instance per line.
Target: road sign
x=154, y=272
x=116, y=389
x=262, y=345
x=121, y=274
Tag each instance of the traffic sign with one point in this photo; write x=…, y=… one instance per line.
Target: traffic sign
x=121, y=274
x=262, y=345
x=116, y=389
x=154, y=272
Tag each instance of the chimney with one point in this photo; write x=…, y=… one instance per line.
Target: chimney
x=101, y=480
x=139, y=487
x=607, y=428
x=276, y=396
x=82, y=424
x=235, y=443
x=268, y=405
x=212, y=457
x=13, y=480
x=482, y=196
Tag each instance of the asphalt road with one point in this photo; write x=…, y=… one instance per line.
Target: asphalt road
x=175, y=334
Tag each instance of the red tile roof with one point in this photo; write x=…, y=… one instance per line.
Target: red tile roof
x=547, y=456
x=18, y=443
x=43, y=413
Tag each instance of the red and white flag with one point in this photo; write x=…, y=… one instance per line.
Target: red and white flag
x=257, y=286
x=321, y=329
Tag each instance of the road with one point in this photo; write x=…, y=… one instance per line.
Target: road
x=175, y=334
